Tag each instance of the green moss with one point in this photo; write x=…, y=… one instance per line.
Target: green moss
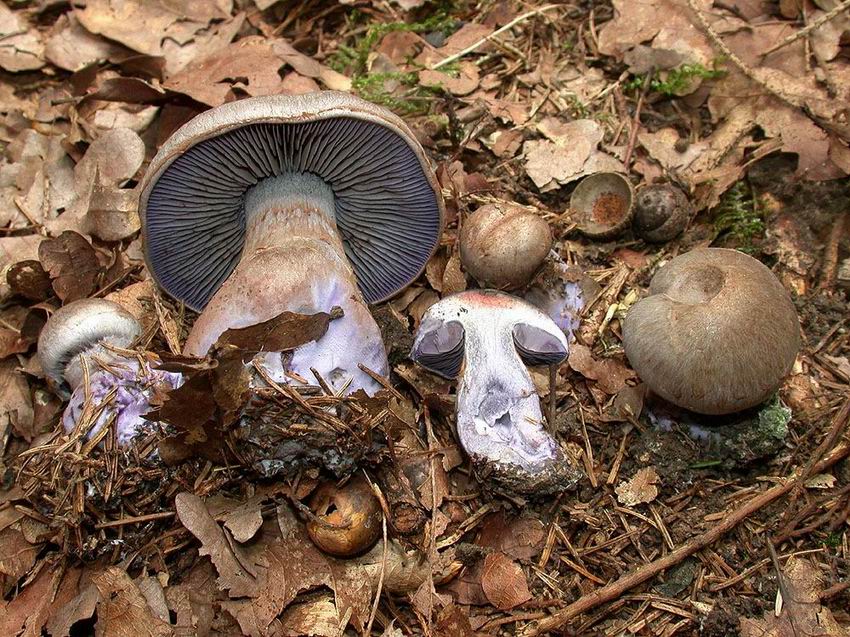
x=678, y=80
x=353, y=60
x=740, y=217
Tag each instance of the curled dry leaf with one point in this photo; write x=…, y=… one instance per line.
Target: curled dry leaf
x=72, y=264
x=504, y=582
x=520, y=538
x=21, y=48
x=122, y=609
x=283, y=333
x=71, y=47
x=610, y=374
x=145, y=26
x=29, y=279
x=640, y=489
x=228, y=558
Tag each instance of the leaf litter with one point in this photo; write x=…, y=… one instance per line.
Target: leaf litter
x=513, y=102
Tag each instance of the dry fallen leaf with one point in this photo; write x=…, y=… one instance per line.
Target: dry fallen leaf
x=802, y=613
x=640, y=489
x=503, y=582
x=21, y=48
x=122, y=610
x=610, y=374
x=72, y=263
x=229, y=559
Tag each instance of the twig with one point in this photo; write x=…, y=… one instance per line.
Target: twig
x=737, y=61
x=830, y=256
x=826, y=17
x=613, y=590
x=136, y=520
x=499, y=31
x=636, y=120
x=374, y=612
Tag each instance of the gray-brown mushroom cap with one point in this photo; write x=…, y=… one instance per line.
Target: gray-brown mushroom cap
x=388, y=207
x=79, y=326
x=717, y=333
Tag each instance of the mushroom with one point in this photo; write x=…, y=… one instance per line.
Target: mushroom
x=347, y=519
x=502, y=245
x=561, y=291
x=602, y=205
x=76, y=342
x=297, y=203
x=662, y=212
x=487, y=338
x=717, y=333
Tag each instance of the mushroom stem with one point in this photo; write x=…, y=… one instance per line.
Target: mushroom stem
x=498, y=415
x=294, y=257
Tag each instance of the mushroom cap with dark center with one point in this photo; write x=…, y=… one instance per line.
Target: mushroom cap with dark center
x=717, y=333
x=79, y=326
x=388, y=208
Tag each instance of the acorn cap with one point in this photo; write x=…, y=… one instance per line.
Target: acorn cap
x=388, y=207
x=717, y=333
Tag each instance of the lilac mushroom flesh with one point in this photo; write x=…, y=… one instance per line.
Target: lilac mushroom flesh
x=292, y=203
x=74, y=342
x=487, y=338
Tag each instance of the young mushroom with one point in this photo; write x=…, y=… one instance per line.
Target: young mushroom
x=487, y=338
x=662, y=212
x=292, y=203
x=75, y=343
x=502, y=245
x=717, y=333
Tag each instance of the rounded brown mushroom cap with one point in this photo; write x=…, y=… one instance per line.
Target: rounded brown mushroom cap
x=662, y=212
x=717, y=333
x=388, y=207
x=77, y=327
x=503, y=245
x=347, y=519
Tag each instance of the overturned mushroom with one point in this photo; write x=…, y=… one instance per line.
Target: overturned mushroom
x=717, y=333
x=487, y=338
x=292, y=203
x=75, y=344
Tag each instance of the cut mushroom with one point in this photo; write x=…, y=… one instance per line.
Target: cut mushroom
x=717, y=333
x=487, y=338
x=292, y=203
x=75, y=343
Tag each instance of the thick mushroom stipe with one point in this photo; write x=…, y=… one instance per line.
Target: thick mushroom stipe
x=487, y=338
x=717, y=333
x=292, y=203
x=74, y=343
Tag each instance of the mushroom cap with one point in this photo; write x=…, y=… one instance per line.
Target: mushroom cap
x=602, y=204
x=486, y=315
x=388, y=207
x=662, y=212
x=717, y=333
x=347, y=519
x=503, y=245
x=78, y=326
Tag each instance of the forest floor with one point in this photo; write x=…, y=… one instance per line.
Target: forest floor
x=743, y=104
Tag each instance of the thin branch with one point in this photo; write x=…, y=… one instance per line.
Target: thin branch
x=499, y=31
x=826, y=17
x=616, y=588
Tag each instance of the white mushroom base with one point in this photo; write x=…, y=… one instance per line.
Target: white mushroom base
x=294, y=261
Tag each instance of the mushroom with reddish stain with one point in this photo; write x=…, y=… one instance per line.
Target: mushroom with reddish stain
x=487, y=338
x=297, y=203
x=74, y=351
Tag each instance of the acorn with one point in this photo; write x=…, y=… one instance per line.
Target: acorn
x=602, y=205
x=502, y=245
x=347, y=519
x=662, y=212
